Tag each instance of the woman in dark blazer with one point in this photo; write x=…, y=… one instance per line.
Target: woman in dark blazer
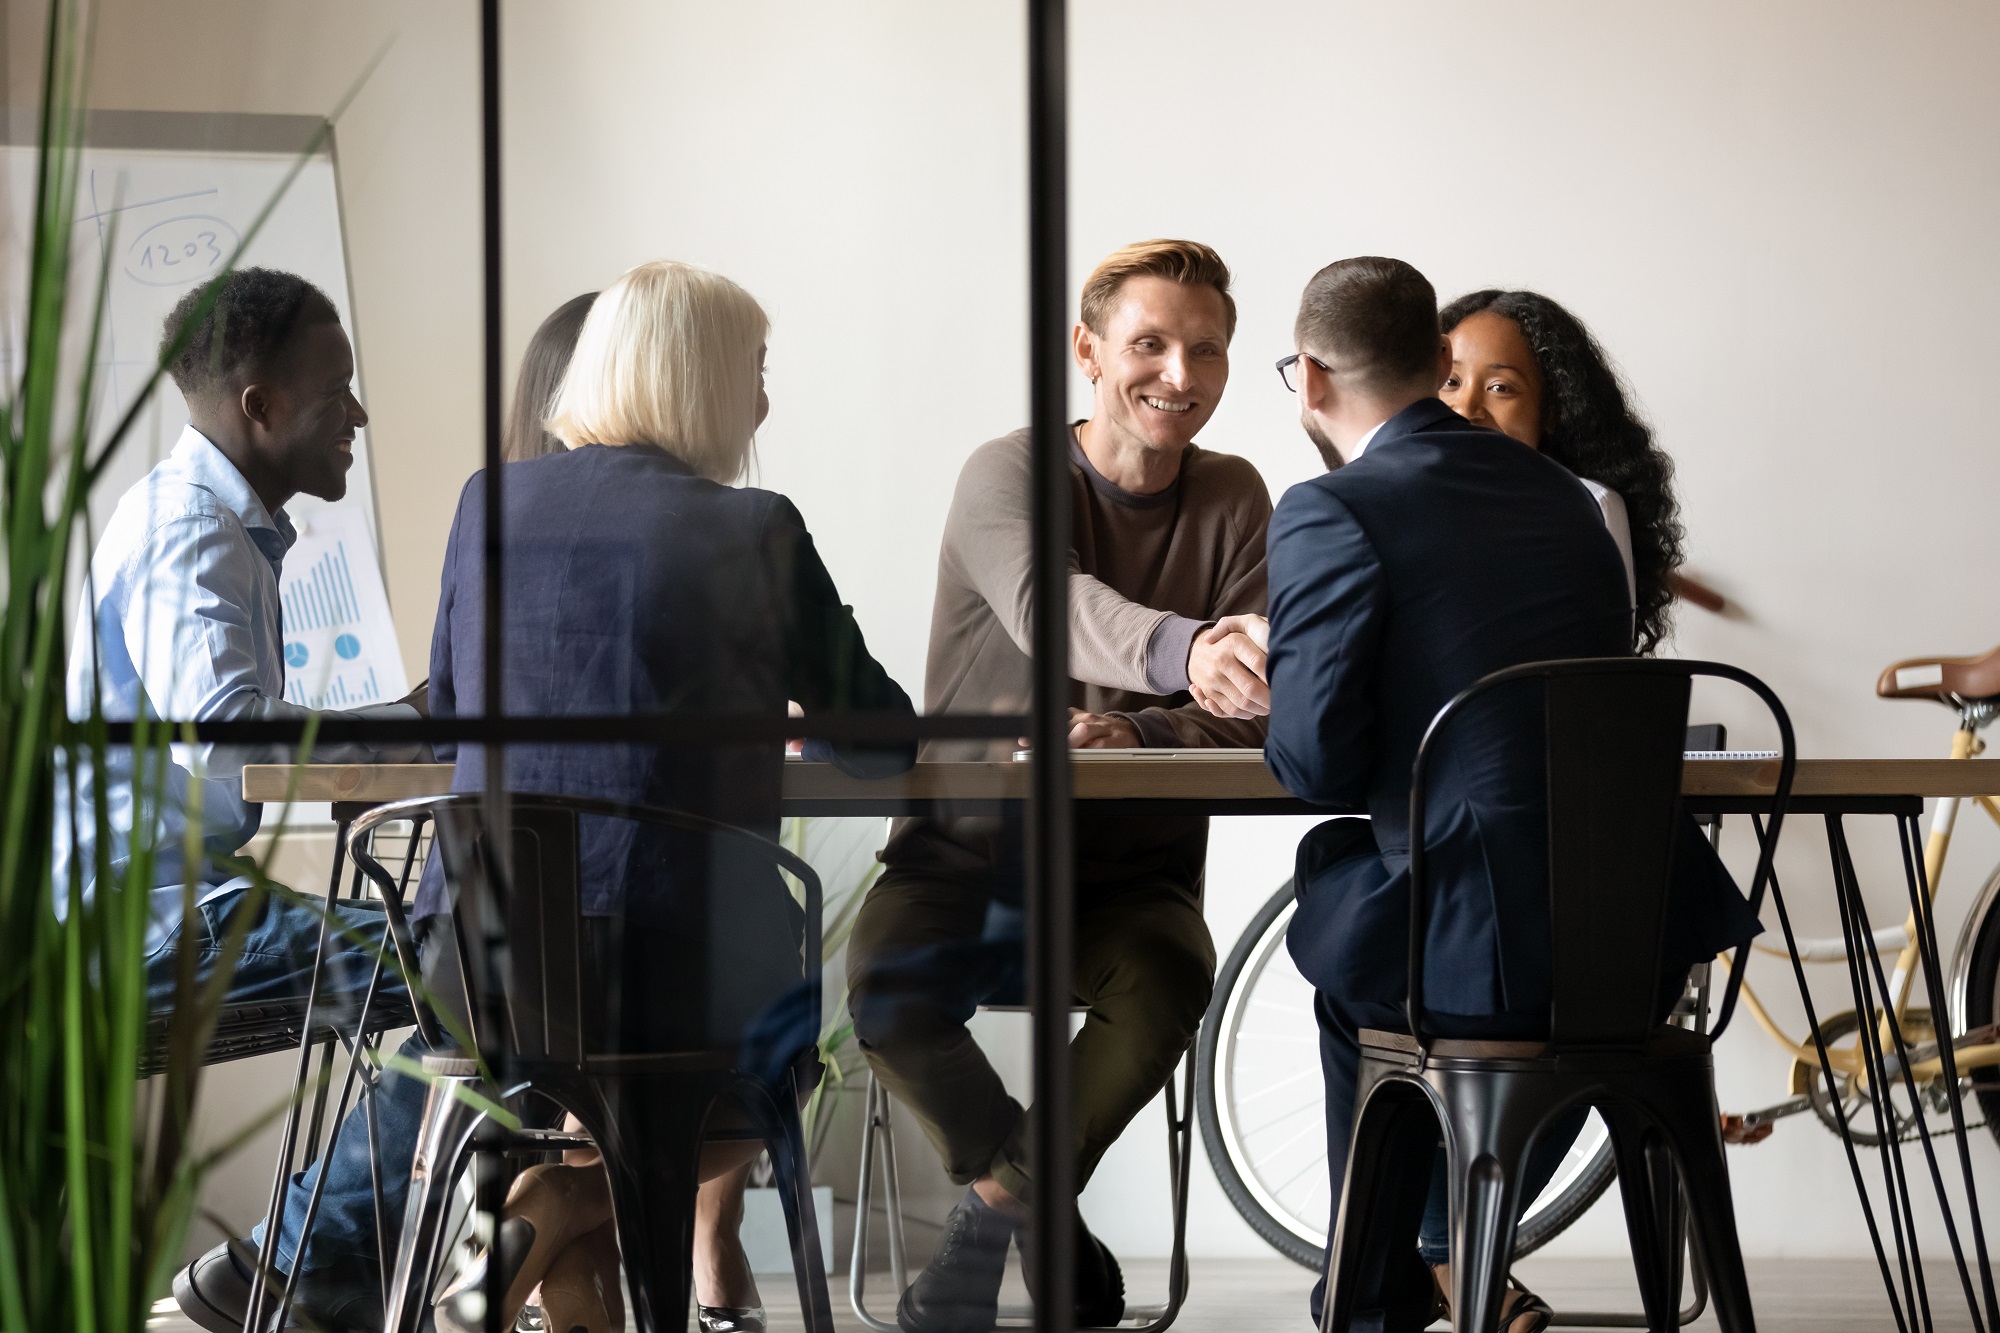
x=641, y=582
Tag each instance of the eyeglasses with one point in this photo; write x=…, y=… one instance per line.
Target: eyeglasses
x=1285, y=365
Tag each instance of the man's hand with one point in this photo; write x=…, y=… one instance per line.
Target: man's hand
x=1226, y=672
x=1097, y=731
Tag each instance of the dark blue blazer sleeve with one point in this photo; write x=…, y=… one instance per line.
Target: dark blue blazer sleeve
x=829, y=668
x=1328, y=605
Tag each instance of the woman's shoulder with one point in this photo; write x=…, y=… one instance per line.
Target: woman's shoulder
x=1609, y=502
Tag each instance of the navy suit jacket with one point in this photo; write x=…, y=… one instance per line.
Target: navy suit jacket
x=1444, y=553
x=636, y=587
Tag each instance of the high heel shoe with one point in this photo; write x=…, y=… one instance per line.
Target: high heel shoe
x=580, y=1291
x=549, y=1207
x=731, y=1318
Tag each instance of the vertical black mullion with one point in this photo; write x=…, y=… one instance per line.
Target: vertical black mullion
x=493, y=555
x=491, y=1174
x=1051, y=920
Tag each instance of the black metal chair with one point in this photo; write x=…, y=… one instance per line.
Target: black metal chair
x=530, y=997
x=324, y=1019
x=1614, y=731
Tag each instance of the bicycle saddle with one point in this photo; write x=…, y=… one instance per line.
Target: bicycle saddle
x=1948, y=680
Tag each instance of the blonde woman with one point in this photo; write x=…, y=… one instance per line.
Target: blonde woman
x=641, y=580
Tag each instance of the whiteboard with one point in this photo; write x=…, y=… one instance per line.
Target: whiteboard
x=167, y=197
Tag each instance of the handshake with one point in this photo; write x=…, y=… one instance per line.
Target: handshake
x=1226, y=675
x=1226, y=671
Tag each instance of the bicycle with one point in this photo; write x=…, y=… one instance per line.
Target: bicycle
x=1971, y=686
x=1260, y=1101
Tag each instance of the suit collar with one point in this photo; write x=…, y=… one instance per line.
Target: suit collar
x=1420, y=415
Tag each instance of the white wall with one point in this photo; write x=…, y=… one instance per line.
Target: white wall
x=1776, y=216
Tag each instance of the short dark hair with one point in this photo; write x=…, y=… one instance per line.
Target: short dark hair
x=1375, y=319
x=247, y=329
x=542, y=368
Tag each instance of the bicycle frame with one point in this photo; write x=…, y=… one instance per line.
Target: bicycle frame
x=1965, y=744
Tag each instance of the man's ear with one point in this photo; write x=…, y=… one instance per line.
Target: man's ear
x=1316, y=388
x=1444, y=363
x=255, y=403
x=1083, y=347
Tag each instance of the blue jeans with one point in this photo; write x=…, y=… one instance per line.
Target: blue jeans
x=277, y=964
x=277, y=959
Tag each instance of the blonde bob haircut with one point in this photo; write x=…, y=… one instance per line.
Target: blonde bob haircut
x=668, y=356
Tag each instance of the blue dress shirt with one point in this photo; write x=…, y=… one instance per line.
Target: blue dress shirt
x=180, y=619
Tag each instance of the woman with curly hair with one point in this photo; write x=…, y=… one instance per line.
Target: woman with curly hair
x=1526, y=367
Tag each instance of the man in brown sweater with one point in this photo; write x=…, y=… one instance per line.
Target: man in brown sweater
x=1168, y=549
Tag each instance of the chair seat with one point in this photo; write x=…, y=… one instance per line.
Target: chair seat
x=245, y=1030
x=1666, y=1043
x=454, y=1065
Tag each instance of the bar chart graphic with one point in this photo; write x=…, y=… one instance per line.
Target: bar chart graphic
x=340, y=644
x=324, y=596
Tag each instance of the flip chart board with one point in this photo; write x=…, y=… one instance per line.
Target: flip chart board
x=166, y=197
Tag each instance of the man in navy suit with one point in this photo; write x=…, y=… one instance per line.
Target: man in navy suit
x=1431, y=553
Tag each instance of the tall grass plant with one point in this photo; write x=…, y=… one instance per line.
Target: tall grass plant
x=99, y=1177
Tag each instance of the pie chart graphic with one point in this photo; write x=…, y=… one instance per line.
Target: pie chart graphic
x=347, y=647
x=296, y=655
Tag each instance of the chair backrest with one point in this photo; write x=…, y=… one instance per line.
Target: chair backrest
x=1614, y=732
x=530, y=985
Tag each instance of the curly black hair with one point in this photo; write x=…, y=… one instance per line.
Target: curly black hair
x=1591, y=428
x=247, y=329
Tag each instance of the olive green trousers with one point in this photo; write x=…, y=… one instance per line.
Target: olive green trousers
x=920, y=962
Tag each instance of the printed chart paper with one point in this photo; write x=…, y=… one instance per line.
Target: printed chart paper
x=340, y=645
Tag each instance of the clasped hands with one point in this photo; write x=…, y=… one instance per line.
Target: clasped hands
x=1226, y=670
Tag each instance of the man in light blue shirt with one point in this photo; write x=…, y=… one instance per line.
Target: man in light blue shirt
x=180, y=616
x=180, y=620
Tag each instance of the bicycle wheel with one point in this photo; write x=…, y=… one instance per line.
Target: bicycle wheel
x=1262, y=1105
x=1982, y=1001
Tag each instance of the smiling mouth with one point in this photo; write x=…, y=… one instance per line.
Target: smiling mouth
x=1162, y=405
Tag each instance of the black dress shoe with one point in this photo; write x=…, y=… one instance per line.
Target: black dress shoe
x=1100, y=1282
x=214, y=1290
x=730, y=1318
x=959, y=1289
x=344, y=1296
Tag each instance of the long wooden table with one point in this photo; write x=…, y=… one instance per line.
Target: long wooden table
x=1233, y=782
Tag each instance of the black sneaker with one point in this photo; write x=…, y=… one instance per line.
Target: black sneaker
x=1100, y=1282
x=959, y=1289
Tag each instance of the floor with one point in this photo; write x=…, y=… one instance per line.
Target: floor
x=1791, y=1295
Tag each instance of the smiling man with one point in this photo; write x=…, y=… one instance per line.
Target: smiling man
x=1168, y=547
x=180, y=620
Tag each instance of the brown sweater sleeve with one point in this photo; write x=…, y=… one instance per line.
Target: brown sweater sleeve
x=1242, y=588
x=988, y=544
